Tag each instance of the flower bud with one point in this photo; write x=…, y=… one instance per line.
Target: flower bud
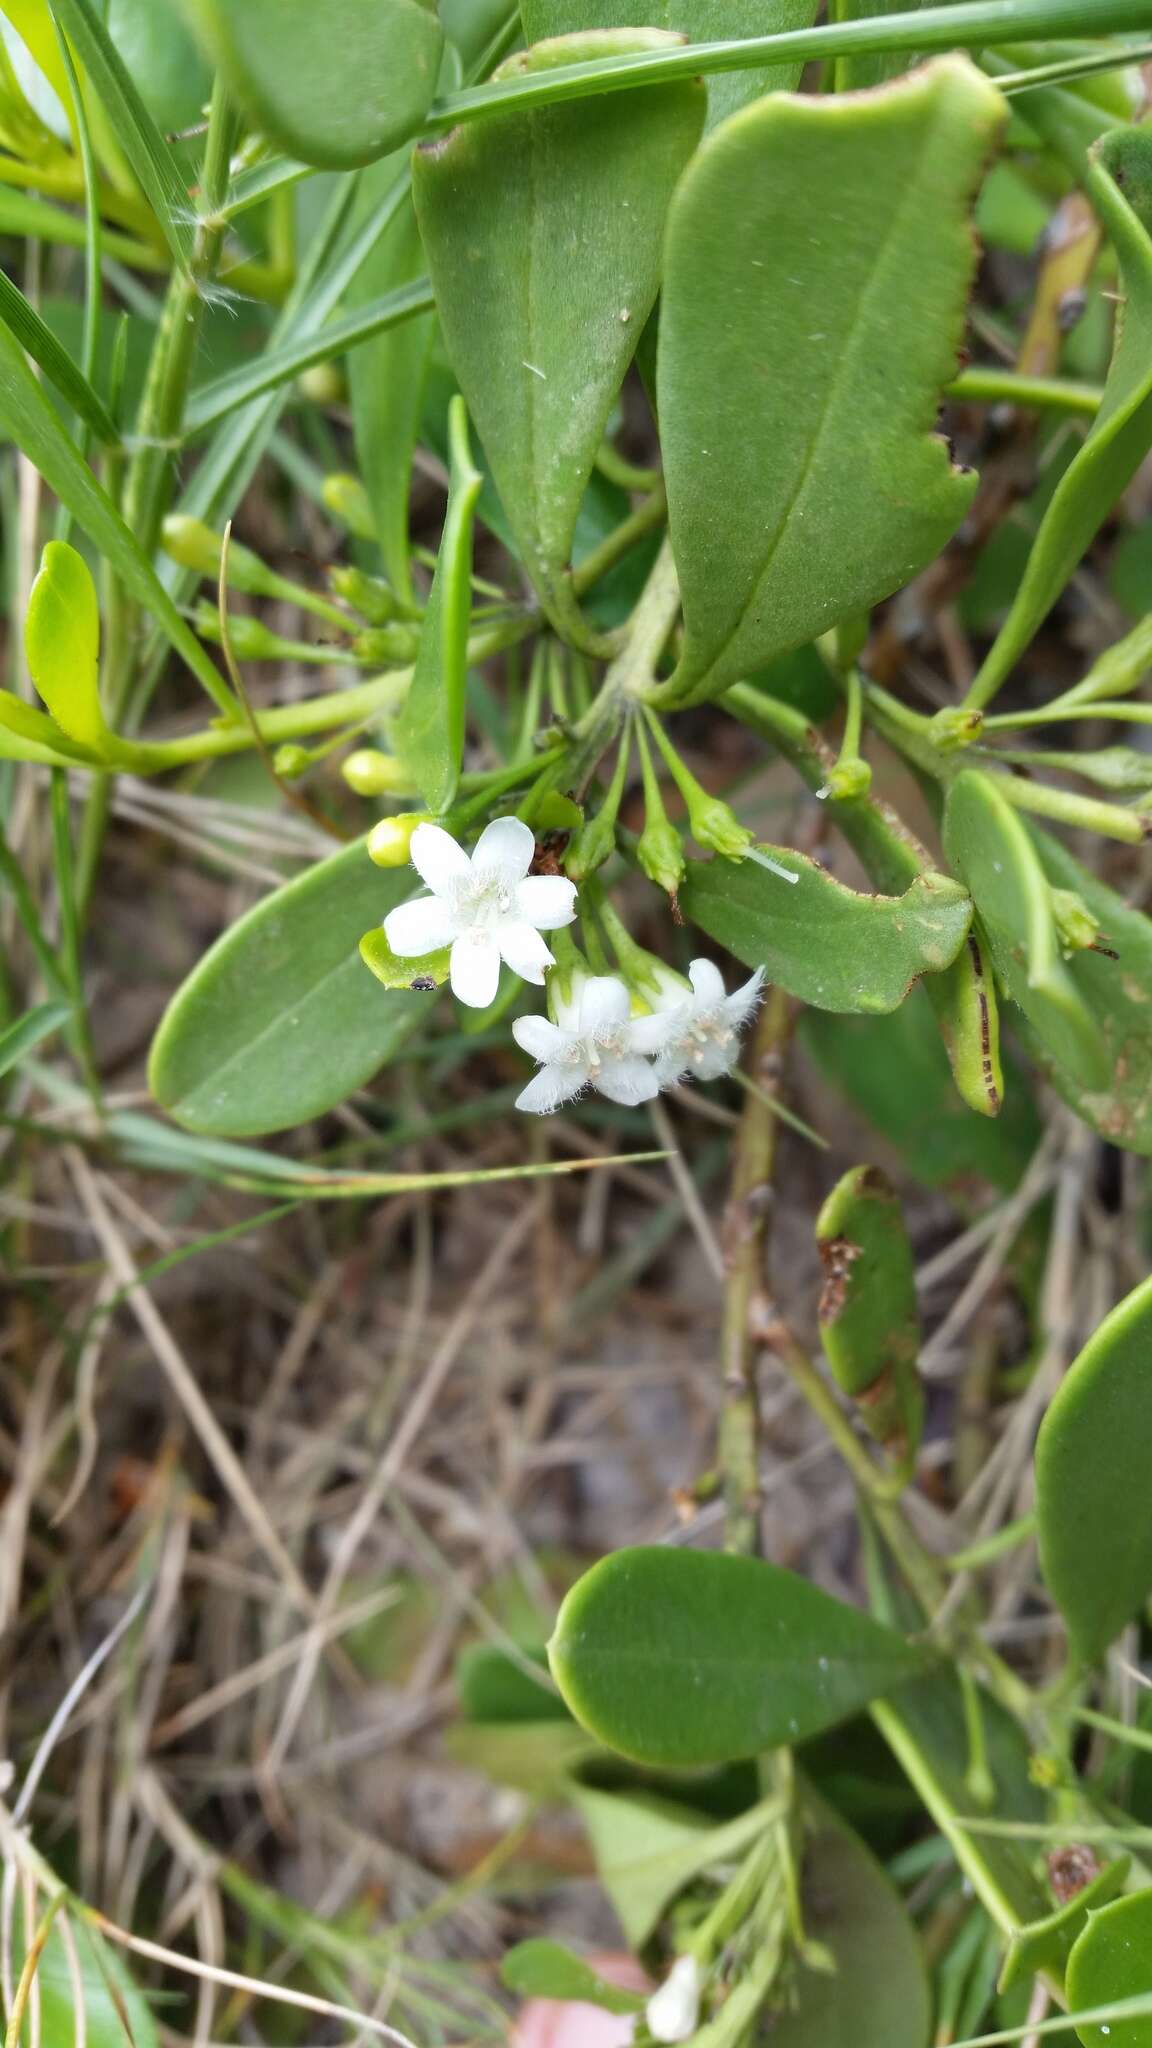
x=661, y=854
x=848, y=779
x=954, y=728
x=372, y=773
x=715, y=826
x=390, y=840
x=290, y=761
x=673, y=2012
x=323, y=384
x=1077, y=928
x=249, y=638
x=590, y=846
x=374, y=599
x=391, y=643
x=196, y=546
x=348, y=501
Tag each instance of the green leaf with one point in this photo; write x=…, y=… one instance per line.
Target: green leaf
x=430, y=728
x=648, y=1848
x=28, y=418
x=703, y=21
x=800, y=228
x=492, y=1687
x=537, y=1757
x=869, y=1319
x=336, y=93
x=993, y=851
x=171, y=75
x=279, y=1022
x=58, y=366
x=62, y=643
x=968, y=1015
x=895, y=1071
x=27, y=1032
x=386, y=377
x=115, y=2010
x=542, y=232
x=1045, y=1945
x=688, y=1657
x=1112, y=1960
x=1092, y=1502
x=396, y=972
x=1122, y=430
x=24, y=726
x=542, y=1969
x=1117, y=992
x=132, y=125
x=878, y=1994
x=819, y=939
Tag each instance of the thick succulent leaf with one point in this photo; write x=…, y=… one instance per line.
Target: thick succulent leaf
x=171, y=75
x=822, y=941
x=682, y=1657
x=279, y=1022
x=336, y=93
x=543, y=1969
x=895, y=1072
x=991, y=848
x=1045, y=1945
x=1116, y=988
x=877, y=1995
x=543, y=237
x=1092, y=1500
x=394, y=970
x=702, y=21
x=1113, y=1960
x=869, y=1319
x=968, y=1015
x=62, y=643
x=495, y=1689
x=831, y=234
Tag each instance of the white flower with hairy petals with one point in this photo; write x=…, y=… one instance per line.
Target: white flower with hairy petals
x=673, y=2012
x=486, y=907
x=696, y=1031
x=593, y=1044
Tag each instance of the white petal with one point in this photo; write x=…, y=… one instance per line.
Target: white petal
x=475, y=970
x=739, y=1006
x=524, y=950
x=546, y=901
x=714, y=1060
x=673, y=2012
x=504, y=848
x=627, y=1080
x=653, y=1034
x=540, y=1037
x=707, y=981
x=437, y=859
x=604, y=1001
x=550, y=1087
x=423, y=926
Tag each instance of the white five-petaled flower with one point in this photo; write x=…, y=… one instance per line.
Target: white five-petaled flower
x=696, y=1030
x=595, y=1042
x=486, y=907
x=673, y=2012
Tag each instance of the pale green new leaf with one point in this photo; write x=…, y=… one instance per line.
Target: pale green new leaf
x=702, y=21
x=828, y=944
x=818, y=258
x=335, y=91
x=62, y=643
x=430, y=729
x=280, y=1021
x=543, y=235
x=29, y=419
x=1092, y=1500
x=28, y=734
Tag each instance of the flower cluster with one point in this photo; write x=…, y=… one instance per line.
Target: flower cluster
x=487, y=908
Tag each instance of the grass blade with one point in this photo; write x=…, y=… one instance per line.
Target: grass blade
x=23, y=321
x=27, y=1032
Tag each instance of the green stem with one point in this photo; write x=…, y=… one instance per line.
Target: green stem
x=70, y=934
x=1068, y=807
x=985, y=384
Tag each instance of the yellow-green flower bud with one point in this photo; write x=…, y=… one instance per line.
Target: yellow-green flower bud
x=196, y=546
x=389, y=841
x=661, y=854
x=848, y=779
x=348, y=501
x=954, y=728
x=1078, y=929
x=249, y=638
x=715, y=826
x=323, y=384
x=372, y=773
x=391, y=643
x=590, y=846
x=374, y=599
x=291, y=760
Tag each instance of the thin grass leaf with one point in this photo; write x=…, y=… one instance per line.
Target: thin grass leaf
x=278, y=174
x=279, y=366
x=23, y=321
x=136, y=132
x=27, y=1032
x=21, y=213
